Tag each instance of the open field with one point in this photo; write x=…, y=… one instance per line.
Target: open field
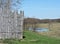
x=53, y=27
x=34, y=38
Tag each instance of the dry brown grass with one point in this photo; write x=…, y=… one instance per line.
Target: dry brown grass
x=54, y=29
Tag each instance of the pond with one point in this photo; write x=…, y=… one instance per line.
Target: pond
x=40, y=29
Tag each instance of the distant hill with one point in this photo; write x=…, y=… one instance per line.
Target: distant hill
x=35, y=20
x=31, y=20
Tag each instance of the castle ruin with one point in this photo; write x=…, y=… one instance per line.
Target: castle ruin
x=11, y=23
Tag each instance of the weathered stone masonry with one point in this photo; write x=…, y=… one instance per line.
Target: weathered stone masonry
x=11, y=24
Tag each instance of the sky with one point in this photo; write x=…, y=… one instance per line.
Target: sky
x=42, y=9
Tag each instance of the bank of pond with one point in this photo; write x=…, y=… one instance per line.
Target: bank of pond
x=39, y=29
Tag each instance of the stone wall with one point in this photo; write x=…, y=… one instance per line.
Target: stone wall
x=11, y=24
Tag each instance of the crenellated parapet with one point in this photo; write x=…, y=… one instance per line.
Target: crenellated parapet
x=11, y=24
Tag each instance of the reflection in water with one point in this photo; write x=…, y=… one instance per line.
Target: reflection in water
x=40, y=29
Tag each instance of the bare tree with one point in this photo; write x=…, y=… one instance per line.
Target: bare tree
x=16, y=4
x=11, y=4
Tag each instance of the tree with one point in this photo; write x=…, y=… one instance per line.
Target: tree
x=10, y=4
x=16, y=4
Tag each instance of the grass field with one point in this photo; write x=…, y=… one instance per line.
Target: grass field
x=53, y=27
x=34, y=38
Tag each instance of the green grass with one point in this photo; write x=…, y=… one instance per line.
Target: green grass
x=34, y=38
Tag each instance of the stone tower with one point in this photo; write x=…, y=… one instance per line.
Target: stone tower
x=11, y=23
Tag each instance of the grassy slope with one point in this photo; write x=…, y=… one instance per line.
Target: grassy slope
x=34, y=38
